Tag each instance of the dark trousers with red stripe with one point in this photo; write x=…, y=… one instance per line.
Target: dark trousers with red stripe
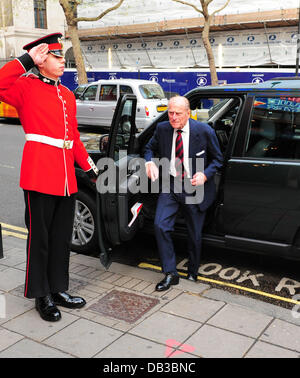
x=49, y=220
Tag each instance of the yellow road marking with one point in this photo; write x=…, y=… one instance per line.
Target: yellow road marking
x=262, y=293
x=8, y=229
x=10, y=233
x=16, y=228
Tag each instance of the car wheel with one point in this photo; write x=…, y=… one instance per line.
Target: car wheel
x=84, y=237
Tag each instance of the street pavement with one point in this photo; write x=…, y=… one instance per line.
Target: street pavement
x=126, y=318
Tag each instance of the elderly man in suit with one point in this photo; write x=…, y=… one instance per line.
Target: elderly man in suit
x=182, y=141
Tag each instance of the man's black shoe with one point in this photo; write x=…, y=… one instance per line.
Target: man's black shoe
x=66, y=300
x=170, y=279
x=192, y=277
x=47, y=309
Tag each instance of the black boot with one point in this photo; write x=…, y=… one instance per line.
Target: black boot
x=47, y=309
x=165, y=284
x=66, y=300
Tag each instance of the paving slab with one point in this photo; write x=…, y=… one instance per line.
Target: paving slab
x=87, y=261
x=193, y=307
x=212, y=342
x=31, y=325
x=13, y=258
x=284, y=334
x=83, y=338
x=15, y=306
x=130, y=346
x=265, y=350
x=8, y=338
x=161, y=327
x=10, y=278
x=192, y=287
x=31, y=349
x=10, y=242
x=260, y=306
x=241, y=320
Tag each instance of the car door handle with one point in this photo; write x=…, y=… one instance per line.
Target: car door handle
x=91, y=109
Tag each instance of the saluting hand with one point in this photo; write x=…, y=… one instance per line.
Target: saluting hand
x=39, y=53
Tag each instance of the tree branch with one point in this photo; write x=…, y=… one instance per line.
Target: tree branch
x=219, y=10
x=191, y=5
x=78, y=19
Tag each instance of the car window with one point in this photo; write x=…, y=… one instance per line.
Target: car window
x=209, y=108
x=125, y=89
x=123, y=131
x=79, y=90
x=219, y=112
x=90, y=93
x=217, y=104
x=274, y=130
x=108, y=93
x=152, y=91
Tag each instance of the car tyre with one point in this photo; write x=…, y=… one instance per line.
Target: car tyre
x=84, y=236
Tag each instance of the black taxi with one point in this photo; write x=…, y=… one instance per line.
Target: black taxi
x=257, y=208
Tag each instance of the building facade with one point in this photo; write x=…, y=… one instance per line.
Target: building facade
x=164, y=34
x=22, y=21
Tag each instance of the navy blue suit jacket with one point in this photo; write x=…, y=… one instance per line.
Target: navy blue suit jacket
x=203, y=141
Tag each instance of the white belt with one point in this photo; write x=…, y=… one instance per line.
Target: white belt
x=60, y=143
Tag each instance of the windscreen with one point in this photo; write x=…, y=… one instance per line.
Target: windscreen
x=152, y=91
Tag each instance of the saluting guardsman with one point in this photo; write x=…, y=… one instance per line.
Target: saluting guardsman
x=47, y=111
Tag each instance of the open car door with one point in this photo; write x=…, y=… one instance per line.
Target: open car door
x=118, y=205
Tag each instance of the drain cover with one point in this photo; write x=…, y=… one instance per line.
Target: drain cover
x=123, y=305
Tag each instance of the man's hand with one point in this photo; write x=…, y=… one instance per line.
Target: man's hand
x=39, y=53
x=152, y=171
x=199, y=178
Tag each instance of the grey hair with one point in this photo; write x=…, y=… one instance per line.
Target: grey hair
x=181, y=99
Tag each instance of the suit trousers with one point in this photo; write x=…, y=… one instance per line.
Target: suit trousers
x=49, y=220
x=167, y=208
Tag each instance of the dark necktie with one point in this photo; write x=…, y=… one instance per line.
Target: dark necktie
x=180, y=172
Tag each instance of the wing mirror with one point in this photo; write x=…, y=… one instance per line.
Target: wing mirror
x=103, y=143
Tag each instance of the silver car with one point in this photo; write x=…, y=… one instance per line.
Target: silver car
x=97, y=101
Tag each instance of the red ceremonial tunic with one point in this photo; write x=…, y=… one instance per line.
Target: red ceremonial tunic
x=48, y=110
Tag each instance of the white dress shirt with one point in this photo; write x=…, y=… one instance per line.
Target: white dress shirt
x=186, y=139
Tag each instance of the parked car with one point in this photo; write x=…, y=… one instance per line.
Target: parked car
x=96, y=102
x=79, y=90
x=257, y=208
